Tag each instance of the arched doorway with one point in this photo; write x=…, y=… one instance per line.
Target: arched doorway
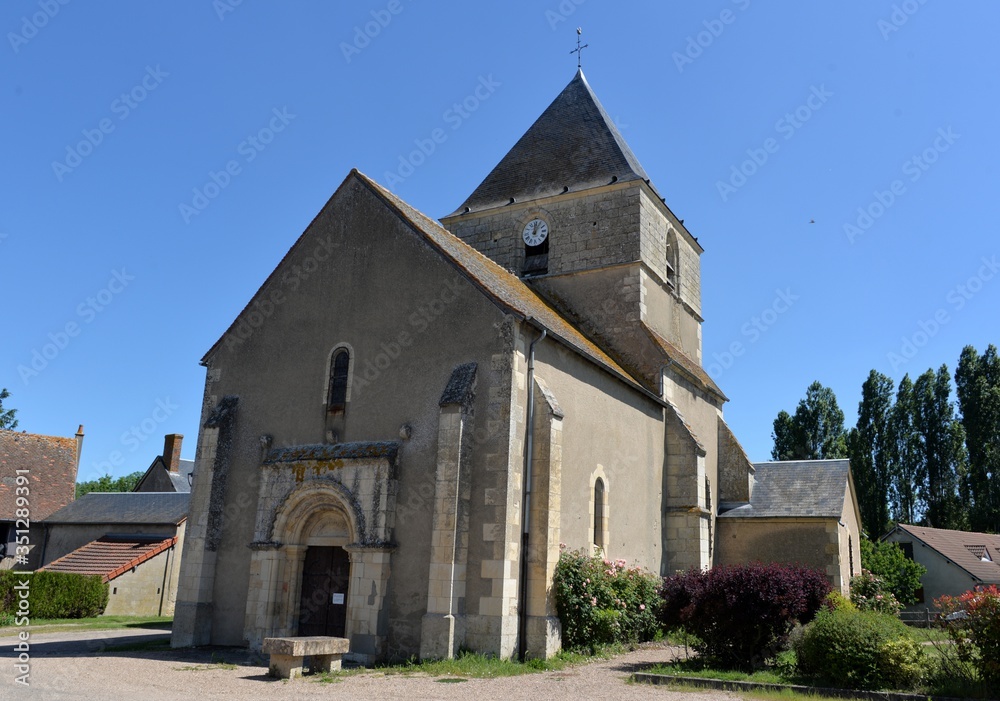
x=326, y=575
x=322, y=546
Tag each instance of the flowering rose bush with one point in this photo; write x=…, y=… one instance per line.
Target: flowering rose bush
x=870, y=593
x=972, y=621
x=604, y=601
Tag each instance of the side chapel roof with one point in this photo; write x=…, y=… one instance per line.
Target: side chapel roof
x=796, y=489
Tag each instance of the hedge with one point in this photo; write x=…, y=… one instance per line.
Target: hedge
x=53, y=595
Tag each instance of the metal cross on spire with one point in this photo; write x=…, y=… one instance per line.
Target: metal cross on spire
x=579, y=49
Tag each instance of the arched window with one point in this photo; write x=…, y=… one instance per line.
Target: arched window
x=339, y=368
x=599, y=498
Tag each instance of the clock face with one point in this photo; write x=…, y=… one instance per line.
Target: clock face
x=535, y=232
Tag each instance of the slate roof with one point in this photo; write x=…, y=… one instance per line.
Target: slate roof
x=125, y=508
x=692, y=369
x=111, y=556
x=178, y=479
x=506, y=290
x=574, y=144
x=796, y=489
x=51, y=462
x=963, y=548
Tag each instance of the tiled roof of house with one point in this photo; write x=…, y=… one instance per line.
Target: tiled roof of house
x=51, y=462
x=976, y=553
x=111, y=556
x=125, y=508
x=574, y=145
x=796, y=489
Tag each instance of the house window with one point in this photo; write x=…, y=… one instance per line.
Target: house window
x=339, y=368
x=599, y=498
x=850, y=553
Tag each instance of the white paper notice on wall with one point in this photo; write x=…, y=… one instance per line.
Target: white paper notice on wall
x=338, y=598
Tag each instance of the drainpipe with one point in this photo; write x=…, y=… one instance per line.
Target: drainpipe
x=529, y=444
x=663, y=370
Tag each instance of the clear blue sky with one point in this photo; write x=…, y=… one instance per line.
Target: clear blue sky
x=835, y=101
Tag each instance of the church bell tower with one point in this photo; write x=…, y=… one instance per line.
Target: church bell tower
x=571, y=211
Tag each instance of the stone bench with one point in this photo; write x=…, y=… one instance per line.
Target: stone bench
x=287, y=654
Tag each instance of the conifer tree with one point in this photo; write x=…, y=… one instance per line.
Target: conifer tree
x=7, y=419
x=815, y=432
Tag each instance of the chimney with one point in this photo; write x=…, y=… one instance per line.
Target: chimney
x=79, y=449
x=172, y=451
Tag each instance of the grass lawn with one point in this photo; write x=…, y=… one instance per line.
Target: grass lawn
x=471, y=665
x=782, y=672
x=51, y=625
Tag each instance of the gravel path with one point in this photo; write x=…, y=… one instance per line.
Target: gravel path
x=65, y=666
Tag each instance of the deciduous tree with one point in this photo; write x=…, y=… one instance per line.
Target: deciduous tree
x=978, y=381
x=942, y=449
x=106, y=483
x=907, y=469
x=870, y=452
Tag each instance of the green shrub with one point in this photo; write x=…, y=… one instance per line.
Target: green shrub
x=53, y=595
x=602, y=601
x=870, y=593
x=860, y=650
x=742, y=614
x=899, y=574
x=836, y=600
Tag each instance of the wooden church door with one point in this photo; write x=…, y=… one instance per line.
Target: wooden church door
x=325, y=577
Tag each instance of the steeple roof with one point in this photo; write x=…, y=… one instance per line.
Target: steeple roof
x=573, y=146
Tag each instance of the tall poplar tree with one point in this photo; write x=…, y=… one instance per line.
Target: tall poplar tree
x=942, y=449
x=906, y=471
x=978, y=381
x=870, y=451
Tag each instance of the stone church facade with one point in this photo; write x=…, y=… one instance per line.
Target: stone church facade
x=410, y=418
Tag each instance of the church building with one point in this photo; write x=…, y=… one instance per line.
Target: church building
x=410, y=418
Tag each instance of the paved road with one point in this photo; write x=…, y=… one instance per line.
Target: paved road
x=91, y=665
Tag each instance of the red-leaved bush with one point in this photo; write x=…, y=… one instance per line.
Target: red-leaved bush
x=973, y=623
x=742, y=614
